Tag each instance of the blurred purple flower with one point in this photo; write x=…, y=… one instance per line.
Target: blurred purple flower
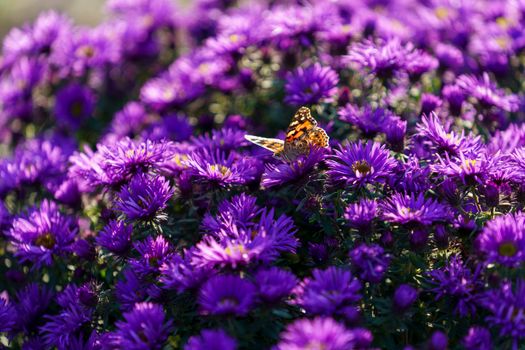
x=227, y=295
x=320, y=333
x=507, y=310
x=371, y=261
x=360, y=215
x=115, y=237
x=274, y=284
x=328, y=291
x=486, y=93
x=153, y=252
x=477, y=338
x=144, y=327
x=311, y=85
x=210, y=339
x=404, y=296
x=455, y=280
x=74, y=104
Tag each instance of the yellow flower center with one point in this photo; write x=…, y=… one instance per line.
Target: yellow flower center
x=502, y=22
x=361, y=167
x=47, y=240
x=86, y=51
x=239, y=248
x=502, y=42
x=224, y=170
x=76, y=108
x=507, y=249
x=179, y=158
x=228, y=301
x=204, y=67
x=441, y=12
x=315, y=345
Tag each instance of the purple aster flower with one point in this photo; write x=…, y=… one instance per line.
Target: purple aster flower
x=241, y=243
x=226, y=139
x=31, y=303
x=449, y=56
x=16, y=88
x=126, y=157
x=116, y=163
x=358, y=164
x=419, y=62
x=242, y=209
x=506, y=141
x=307, y=86
x=404, y=296
x=85, y=48
x=115, y=237
x=369, y=121
x=507, y=310
x=384, y=59
x=236, y=33
x=170, y=90
x=18, y=43
x=144, y=198
x=395, y=132
x=211, y=339
x=129, y=120
x=37, y=162
x=477, y=338
x=227, y=295
x=486, y=93
x=292, y=25
x=503, y=240
x=467, y=168
x=328, y=291
x=144, y=327
x=360, y=215
x=48, y=27
x=180, y=273
x=455, y=280
x=149, y=13
x=77, y=307
x=217, y=167
x=319, y=333
x=74, y=104
x=274, y=284
x=7, y=315
x=455, y=96
x=284, y=173
x=441, y=140
x=130, y=290
x=371, y=261
x=42, y=233
x=438, y=341
x=429, y=103
x=173, y=127
x=413, y=210
x=153, y=252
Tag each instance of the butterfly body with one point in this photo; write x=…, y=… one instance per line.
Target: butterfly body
x=302, y=133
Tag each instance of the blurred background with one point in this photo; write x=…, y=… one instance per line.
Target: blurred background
x=17, y=12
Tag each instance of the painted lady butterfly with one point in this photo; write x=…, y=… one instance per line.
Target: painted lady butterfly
x=302, y=133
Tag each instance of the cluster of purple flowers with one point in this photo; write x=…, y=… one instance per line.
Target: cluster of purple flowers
x=134, y=214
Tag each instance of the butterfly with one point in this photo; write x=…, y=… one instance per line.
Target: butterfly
x=302, y=133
